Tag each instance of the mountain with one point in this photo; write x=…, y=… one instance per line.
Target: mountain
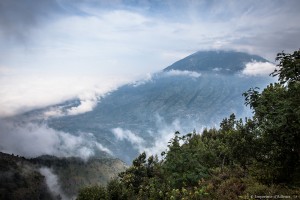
x=195, y=92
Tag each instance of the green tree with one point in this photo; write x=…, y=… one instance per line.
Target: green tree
x=288, y=68
x=277, y=117
x=185, y=163
x=92, y=193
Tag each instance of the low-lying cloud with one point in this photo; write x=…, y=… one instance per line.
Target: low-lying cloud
x=183, y=73
x=32, y=140
x=137, y=142
x=164, y=135
x=258, y=68
x=160, y=138
x=24, y=93
x=53, y=183
x=153, y=76
x=85, y=106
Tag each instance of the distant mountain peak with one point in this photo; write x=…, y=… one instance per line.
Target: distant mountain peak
x=215, y=61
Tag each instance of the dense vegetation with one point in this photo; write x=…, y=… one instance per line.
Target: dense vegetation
x=19, y=179
x=74, y=173
x=258, y=156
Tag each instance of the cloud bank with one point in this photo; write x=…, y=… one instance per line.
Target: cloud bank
x=137, y=142
x=53, y=183
x=163, y=134
x=23, y=93
x=258, y=68
x=85, y=106
x=32, y=140
x=183, y=73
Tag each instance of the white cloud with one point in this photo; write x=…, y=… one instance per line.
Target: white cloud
x=183, y=73
x=145, y=79
x=22, y=93
x=52, y=183
x=137, y=142
x=217, y=69
x=164, y=133
x=85, y=106
x=32, y=140
x=258, y=68
x=53, y=112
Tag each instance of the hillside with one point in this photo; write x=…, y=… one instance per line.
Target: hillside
x=20, y=179
x=49, y=177
x=74, y=173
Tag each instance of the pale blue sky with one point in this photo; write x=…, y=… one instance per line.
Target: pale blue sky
x=48, y=47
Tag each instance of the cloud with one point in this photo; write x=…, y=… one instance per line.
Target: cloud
x=217, y=69
x=183, y=73
x=19, y=139
x=166, y=131
x=258, y=68
x=87, y=104
x=179, y=27
x=137, y=142
x=23, y=93
x=53, y=112
x=145, y=79
x=163, y=133
x=17, y=19
x=53, y=183
x=88, y=100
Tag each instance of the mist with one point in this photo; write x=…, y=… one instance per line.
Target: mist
x=160, y=135
x=52, y=182
x=32, y=140
x=20, y=94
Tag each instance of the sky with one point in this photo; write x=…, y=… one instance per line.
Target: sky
x=54, y=50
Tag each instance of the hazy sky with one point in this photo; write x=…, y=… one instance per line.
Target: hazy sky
x=52, y=50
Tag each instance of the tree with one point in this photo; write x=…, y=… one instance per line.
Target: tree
x=289, y=67
x=187, y=160
x=92, y=193
x=277, y=118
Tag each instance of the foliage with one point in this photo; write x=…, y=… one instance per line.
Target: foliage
x=19, y=179
x=277, y=117
x=74, y=173
x=92, y=193
x=289, y=67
